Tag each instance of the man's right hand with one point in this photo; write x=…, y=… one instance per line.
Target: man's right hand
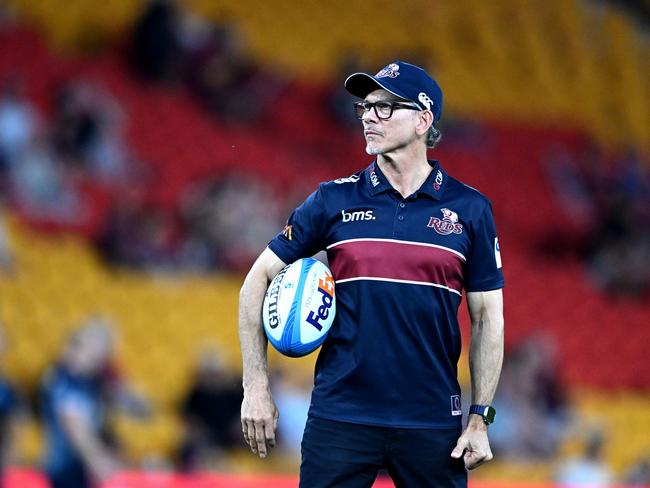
x=259, y=419
x=104, y=468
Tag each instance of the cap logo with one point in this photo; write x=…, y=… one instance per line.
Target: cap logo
x=425, y=100
x=390, y=71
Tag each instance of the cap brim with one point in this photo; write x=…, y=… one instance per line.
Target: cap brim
x=360, y=84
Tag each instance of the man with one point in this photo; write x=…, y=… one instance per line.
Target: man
x=11, y=412
x=210, y=413
x=73, y=412
x=403, y=239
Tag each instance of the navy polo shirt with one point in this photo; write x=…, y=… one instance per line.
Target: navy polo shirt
x=400, y=266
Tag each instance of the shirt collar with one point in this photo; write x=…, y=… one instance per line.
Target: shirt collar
x=432, y=186
x=376, y=181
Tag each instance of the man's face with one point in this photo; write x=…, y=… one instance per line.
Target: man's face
x=90, y=353
x=384, y=136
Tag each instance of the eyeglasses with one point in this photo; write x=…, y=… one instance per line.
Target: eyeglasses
x=383, y=110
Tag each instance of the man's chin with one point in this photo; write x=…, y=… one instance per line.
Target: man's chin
x=372, y=150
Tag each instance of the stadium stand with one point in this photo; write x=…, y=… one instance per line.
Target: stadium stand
x=537, y=61
x=163, y=320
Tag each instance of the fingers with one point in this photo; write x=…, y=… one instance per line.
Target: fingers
x=260, y=435
x=461, y=445
x=269, y=433
x=473, y=459
x=250, y=435
x=260, y=439
x=244, y=429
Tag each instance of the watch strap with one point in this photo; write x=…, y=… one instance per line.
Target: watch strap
x=486, y=411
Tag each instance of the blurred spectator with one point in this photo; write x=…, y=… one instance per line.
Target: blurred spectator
x=119, y=394
x=211, y=413
x=292, y=395
x=338, y=100
x=141, y=236
x=571, y=188
x=620, y=256
x=6, y=256
x=532, y=399
x=9, y=410
x=589, y=470
x=42, y=189
x=153, y=243
x=73, y=410
x=607, y=205
x=155, y=49
x=234, y=232
x=87, y=130
x=226, y=81
x=639, y=473
x=18, y=122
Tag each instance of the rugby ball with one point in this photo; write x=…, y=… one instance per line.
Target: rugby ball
x=299, y=307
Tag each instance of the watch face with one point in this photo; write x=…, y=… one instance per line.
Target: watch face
x=486, y=411
x=489, y=415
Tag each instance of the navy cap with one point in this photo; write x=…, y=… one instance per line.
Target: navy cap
x=404, y=80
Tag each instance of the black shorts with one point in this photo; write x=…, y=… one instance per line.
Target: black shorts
x=73, y=476
x=346, y=455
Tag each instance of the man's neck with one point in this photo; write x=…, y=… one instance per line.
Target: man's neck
x=405, y=172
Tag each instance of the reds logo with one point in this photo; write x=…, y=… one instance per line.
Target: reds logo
x=390, y=71
x=448, y=224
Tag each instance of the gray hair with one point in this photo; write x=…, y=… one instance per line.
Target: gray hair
x=433, y=137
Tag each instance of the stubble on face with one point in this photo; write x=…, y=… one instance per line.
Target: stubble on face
x=373, y=151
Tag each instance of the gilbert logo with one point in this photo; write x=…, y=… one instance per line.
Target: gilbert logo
x=355, y=216
x=274, y=295
x=448, y=224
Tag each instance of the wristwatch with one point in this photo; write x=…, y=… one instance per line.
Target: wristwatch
x=486, y=411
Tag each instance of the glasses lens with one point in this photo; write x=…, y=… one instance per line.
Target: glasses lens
x=384, y=109
x=359, y=109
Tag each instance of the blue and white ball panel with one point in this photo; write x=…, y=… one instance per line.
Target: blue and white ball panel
x=299, y=307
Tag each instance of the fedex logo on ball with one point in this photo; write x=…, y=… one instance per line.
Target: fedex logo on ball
x=326, y=289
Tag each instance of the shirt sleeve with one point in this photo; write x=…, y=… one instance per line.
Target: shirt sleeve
x=303, y=236
x=8, y=400
x=484, y=270
x=69, y=402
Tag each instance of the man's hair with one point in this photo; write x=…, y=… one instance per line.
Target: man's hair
x=433, y=137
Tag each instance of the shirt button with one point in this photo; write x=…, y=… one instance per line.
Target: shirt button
x=401, y=204
x=401, y=217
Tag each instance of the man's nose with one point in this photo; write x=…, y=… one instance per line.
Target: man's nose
x=370, y=116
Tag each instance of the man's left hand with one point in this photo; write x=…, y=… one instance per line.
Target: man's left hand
x=474, y=443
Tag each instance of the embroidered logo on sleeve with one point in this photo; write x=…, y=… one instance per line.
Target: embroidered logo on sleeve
x=286, y=232
x=497, y=252
x=456, y=408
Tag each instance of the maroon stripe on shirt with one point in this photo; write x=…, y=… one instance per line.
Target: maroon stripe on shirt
x=396, y=260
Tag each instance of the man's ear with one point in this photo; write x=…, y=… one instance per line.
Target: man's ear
x=425, y=120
